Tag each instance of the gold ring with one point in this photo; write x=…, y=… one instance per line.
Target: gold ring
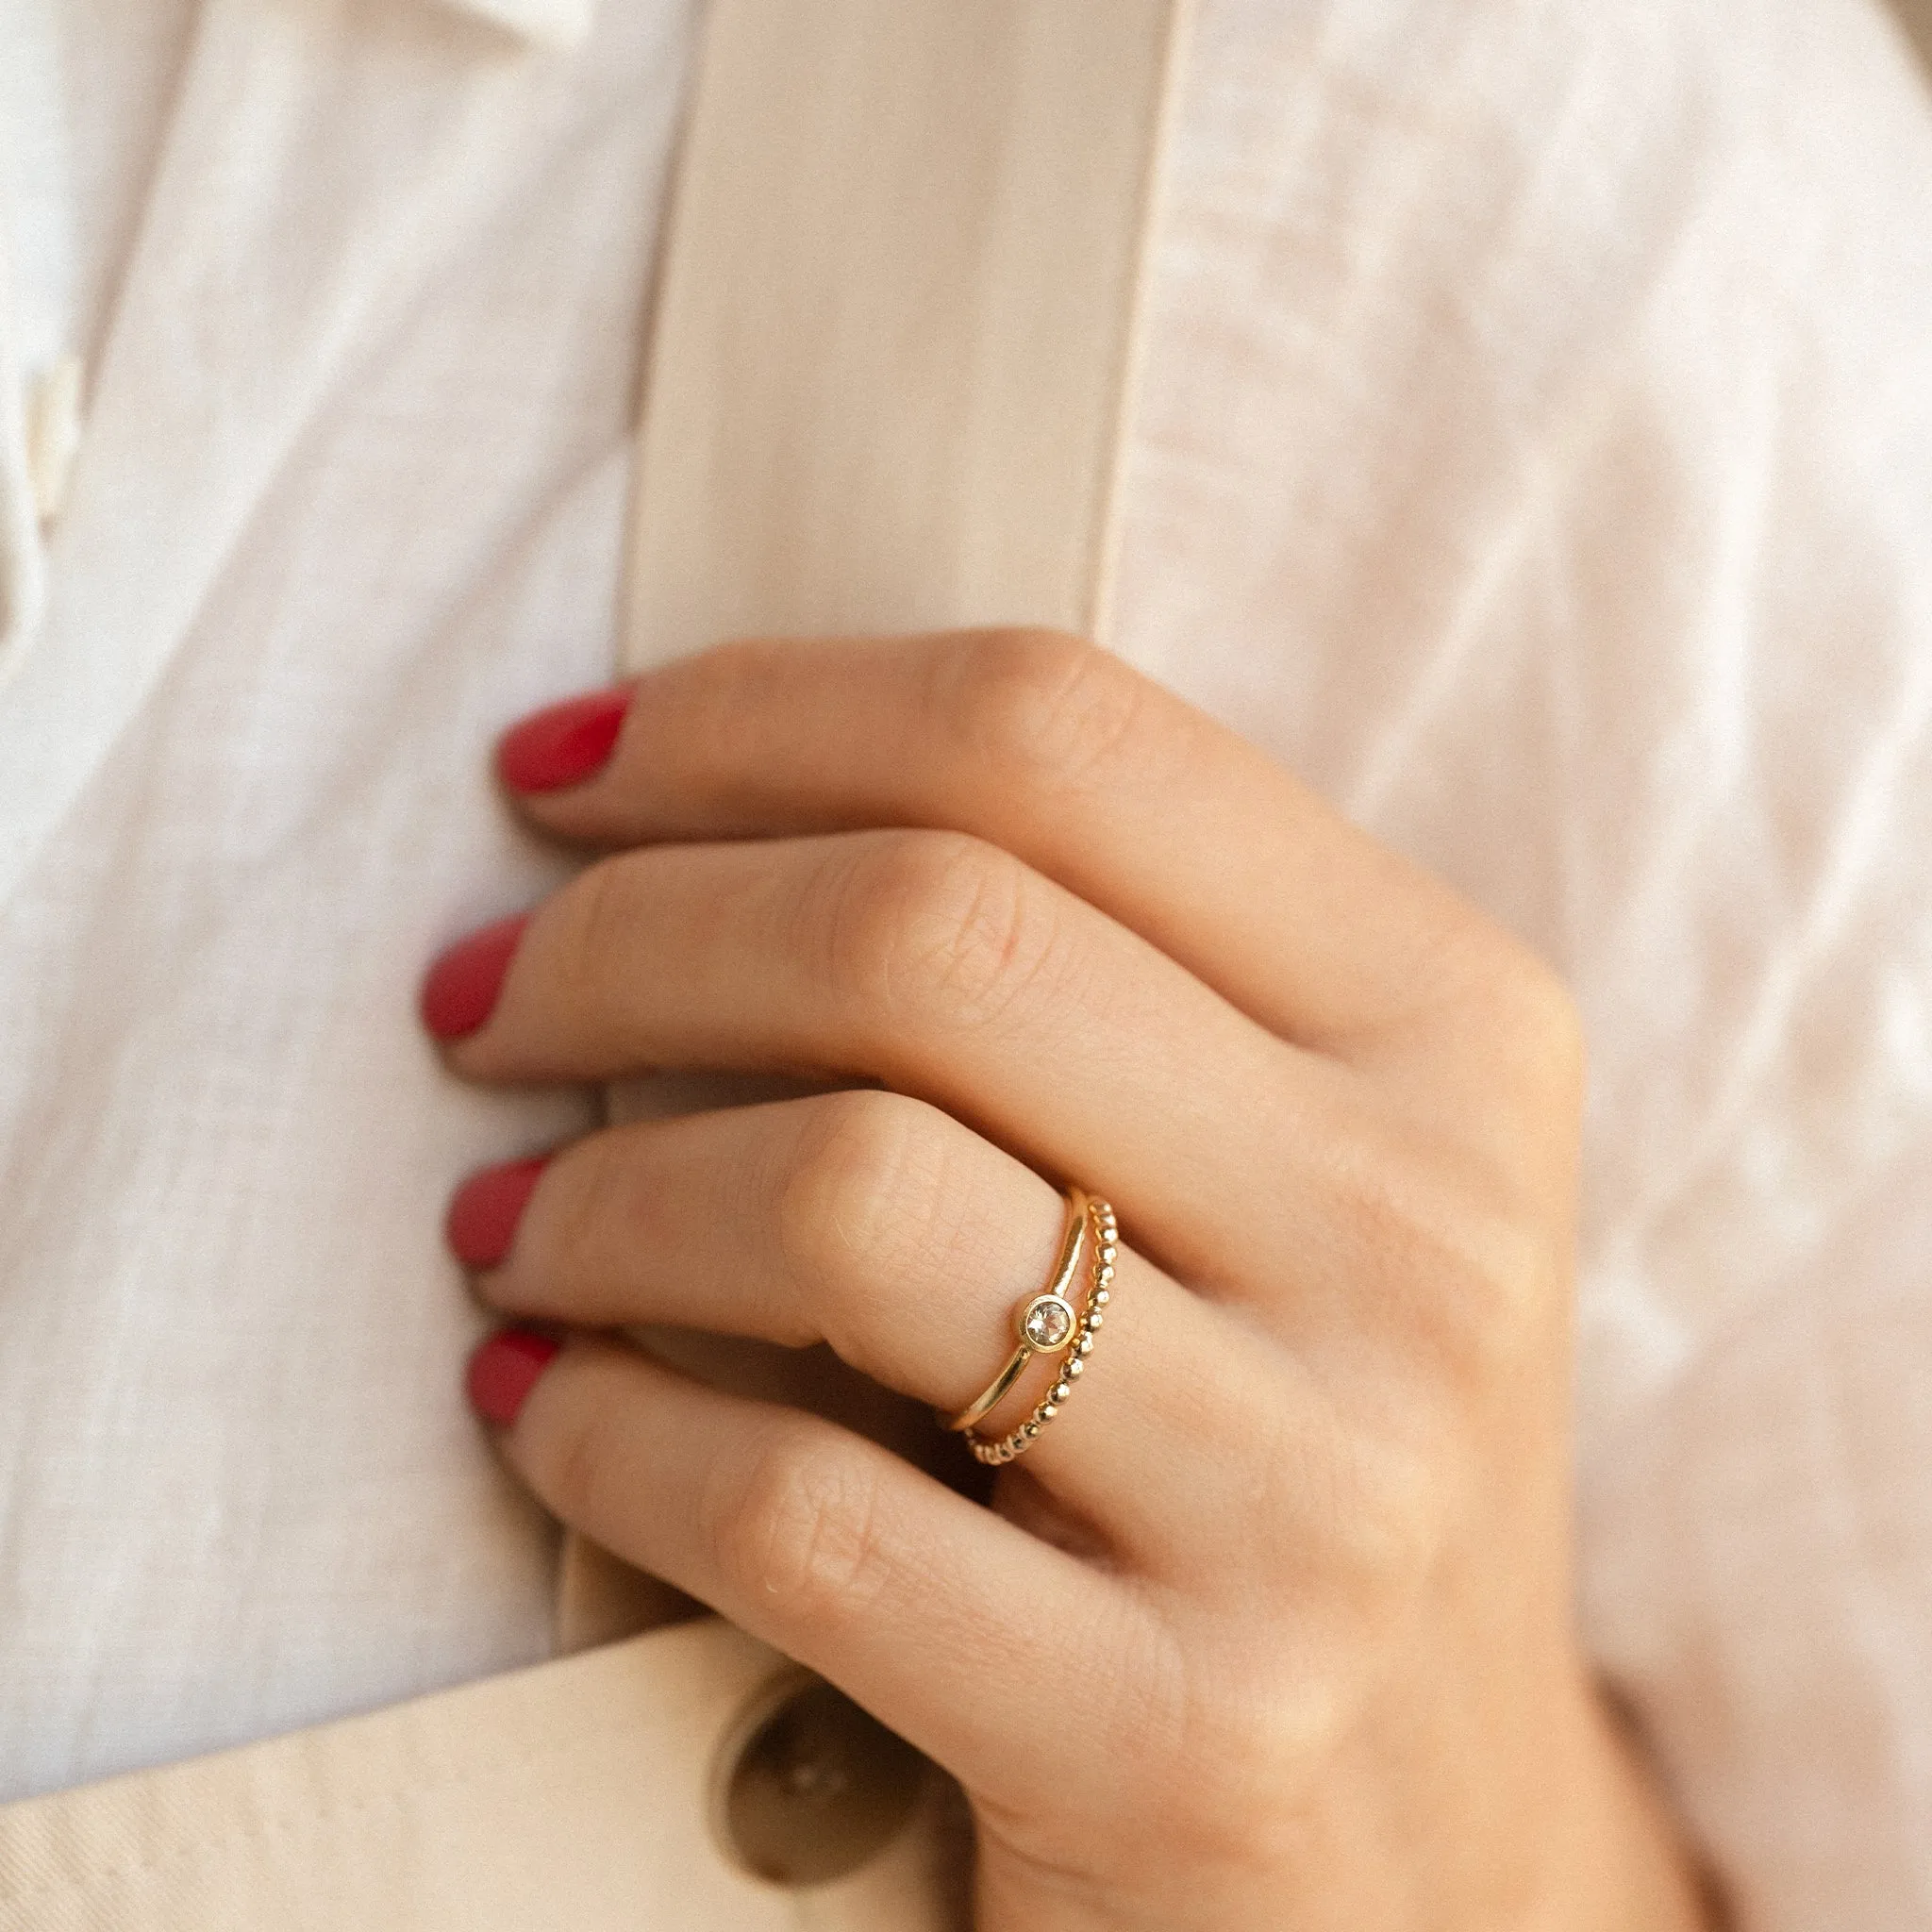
x=1077, y=1340
x=1044, y=1322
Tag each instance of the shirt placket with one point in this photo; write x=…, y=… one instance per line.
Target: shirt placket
x=41, y=378
x=22, y=557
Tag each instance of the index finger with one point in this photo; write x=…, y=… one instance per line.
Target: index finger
x=1069, y=759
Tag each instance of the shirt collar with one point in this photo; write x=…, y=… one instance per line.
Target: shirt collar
x=558, y=24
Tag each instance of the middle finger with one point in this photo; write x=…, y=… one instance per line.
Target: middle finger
x=942, y=967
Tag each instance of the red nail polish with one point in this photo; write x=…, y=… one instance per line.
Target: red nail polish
x=564, y=744
x=484, y=1212
x=503, y=1370
x=461, y=990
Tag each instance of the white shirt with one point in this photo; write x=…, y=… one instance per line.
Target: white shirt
x=1536, y=452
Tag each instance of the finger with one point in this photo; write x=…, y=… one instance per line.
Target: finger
x=941, y=967
x=880, y=1225
x=952, y=1627
x=1093, y=775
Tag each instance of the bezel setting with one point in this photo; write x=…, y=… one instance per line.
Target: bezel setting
x=1048, y=1323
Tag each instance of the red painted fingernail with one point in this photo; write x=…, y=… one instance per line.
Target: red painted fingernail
x=562, y=745
x=461, y=990
x=505, y=1369
x=483, y=1215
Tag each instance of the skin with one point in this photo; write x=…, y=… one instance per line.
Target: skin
x=1273, y=1626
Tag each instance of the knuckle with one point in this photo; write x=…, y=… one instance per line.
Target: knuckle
x=854, y=1207
x=1397, y=1517
x=942, y=927
x=793, y=1525
x=1043, y=705
x=1367, y=1486
x=1372, y=1490
x=1250, y=1735
x=1510, y=1282
x=1252, y=1740
x=1457, y=1257
x=1486, y=1273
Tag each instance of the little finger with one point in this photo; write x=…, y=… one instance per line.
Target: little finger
x=944, y=1621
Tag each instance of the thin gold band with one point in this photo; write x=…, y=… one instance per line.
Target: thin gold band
x=1079, y=1345
x=1072, y=1239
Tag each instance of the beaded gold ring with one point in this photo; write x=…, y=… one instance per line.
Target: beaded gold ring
x=1047, y=1324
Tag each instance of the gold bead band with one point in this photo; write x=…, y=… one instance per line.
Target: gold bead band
x=1079, y=1344
x=1046, y=1321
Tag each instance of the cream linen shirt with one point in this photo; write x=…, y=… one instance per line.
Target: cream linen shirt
x=1536, y=452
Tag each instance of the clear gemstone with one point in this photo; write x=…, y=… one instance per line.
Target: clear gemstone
x=1047, y=1323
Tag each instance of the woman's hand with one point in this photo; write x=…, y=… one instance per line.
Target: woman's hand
x=1273, y=1625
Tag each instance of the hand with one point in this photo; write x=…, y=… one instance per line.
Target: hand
x=1271, y=1627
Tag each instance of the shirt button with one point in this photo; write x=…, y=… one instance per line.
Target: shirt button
x=809, y=1787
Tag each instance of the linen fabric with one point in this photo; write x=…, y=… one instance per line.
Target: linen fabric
x=576, y=1793
x=893, y=346
x=594, y=1790
x=1534, y=452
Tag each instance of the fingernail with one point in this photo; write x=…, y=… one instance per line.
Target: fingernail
x=503, y=1370
x=461, y=990
x=484, y=1212
x=564, y=744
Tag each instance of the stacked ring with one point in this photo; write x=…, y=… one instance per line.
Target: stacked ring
x=1047, y=1324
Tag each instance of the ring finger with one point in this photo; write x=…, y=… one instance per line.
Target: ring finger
x=880, y=1226
x=931, y=962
